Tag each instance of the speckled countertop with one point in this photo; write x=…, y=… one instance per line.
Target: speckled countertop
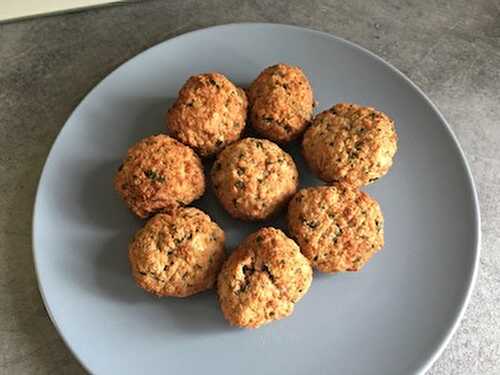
x=451, y=49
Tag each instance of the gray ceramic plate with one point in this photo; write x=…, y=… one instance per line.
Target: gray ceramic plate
x=394, y=317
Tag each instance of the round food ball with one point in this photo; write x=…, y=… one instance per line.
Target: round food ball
x=350, y=144
x=254, y=178
x=281, y=102
x=338, y=229
x=209, y=113
x=177, y=254
x=159, y=174
x=263, y=279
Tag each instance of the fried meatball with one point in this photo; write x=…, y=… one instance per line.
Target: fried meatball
x=159, y=174
x=337, y=228
x=263, y=279
x=177, y=254
x=281, y=102
x=350, y=144
x=209, y=113
x=254, y=178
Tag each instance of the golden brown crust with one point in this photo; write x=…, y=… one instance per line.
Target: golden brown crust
x=253, y=178
x=337, y=228
x=209, y=113
x=263, y=279
x=281, y=102
x=159, y=173
x=177, y=254
x=350, y=144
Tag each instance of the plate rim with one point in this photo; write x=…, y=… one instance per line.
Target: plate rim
x=472, y=277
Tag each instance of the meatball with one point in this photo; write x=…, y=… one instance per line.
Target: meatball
x=337, y=228
x=177, y=254
x=159, y=174
x=263, y=279
x=209, y=113
x=254, y=178
x=350, y=144
x=281, y=102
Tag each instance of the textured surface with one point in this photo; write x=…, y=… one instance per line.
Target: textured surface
x=337, y=229
x=159, y=173
x=350, y=144
x=177, y=254
x=209, y=113
x=451, y=49
x=263, y=279
x=254, y=178
x=281, y=102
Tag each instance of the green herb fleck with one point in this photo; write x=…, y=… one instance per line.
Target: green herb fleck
x=312, y=224
x=240, y=184
x=338, y=232
x=152, y=175
x=353, y=155
x=266, y=269
x=213, y=83
x=247, y=271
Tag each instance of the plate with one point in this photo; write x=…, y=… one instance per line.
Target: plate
x=394, y=317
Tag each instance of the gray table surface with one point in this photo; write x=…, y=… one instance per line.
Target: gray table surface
x=451, y=49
